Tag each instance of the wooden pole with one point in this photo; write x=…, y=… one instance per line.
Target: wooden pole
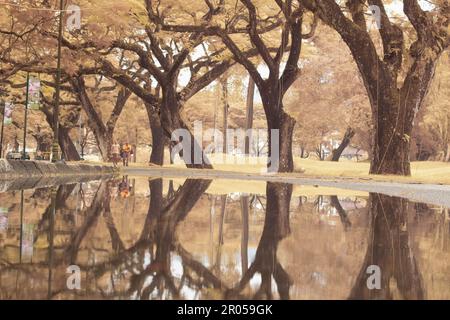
x=55, y=148
x=3, y=126
x=25, y=121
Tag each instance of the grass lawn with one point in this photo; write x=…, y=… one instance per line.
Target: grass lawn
x=422, y=172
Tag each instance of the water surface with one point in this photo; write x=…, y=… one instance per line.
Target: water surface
x=154, y=239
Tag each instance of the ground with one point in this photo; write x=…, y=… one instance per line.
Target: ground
x=422, y=172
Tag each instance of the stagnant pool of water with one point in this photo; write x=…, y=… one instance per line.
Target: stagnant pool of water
x=135, y=238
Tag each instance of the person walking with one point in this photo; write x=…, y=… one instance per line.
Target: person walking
x=126, y=152
x=115, y=153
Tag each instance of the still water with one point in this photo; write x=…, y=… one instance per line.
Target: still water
x=134, y=238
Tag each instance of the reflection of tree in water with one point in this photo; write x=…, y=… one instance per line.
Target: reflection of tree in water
x=276, y=228
x=157, y=265
x=389, y=248
x=62, y=194
x=442, y=238
x=23, y=272
x=146, y=268
x=149, y=261
x=342, y=213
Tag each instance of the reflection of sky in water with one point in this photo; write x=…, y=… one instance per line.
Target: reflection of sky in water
x=188, y=293
x=176, y=266
x=319, y=278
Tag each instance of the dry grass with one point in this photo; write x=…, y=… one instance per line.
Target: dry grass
x=422, y=172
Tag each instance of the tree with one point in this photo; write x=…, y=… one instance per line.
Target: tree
x=17, y=39
x=159, y=59
x=68, y=120
x=103, y=132
x=326, y=101
x=348, y=135
x=247, y=21
x=434, y=125
x=395, y=94
x=273, y=89
x=23, y=50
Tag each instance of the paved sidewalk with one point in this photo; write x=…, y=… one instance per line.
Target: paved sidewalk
x=427, y=193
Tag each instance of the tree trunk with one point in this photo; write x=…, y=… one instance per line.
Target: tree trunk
x=249, y=112
x=319, y=152
x=303, y=153
x=68, y=149
x=281, y=129
x=103, y=133
x=389, y=249
x=226, y=106
x=447, y=156
x=391, y=147
x=158, y=137
x=43, y=140
x=94, y=120
x=349, y=134
x=394, y=111
x=136, y=144
x=171, y=121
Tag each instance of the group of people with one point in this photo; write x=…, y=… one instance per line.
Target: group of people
x=120, y=188
x=121, y=152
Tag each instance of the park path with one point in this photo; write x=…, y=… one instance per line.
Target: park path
x=435, y=194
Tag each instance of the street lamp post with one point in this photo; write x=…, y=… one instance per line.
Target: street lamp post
x=3, y=128
x=25, y=121
x=55, y=148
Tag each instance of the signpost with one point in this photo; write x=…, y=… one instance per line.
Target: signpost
x=6, y=121
x=55, y=148
x=1, y=134
x=34, y=89
x=27, y=96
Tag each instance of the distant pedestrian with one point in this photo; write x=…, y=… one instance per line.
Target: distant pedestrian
x=126, y=152
x=115, y=153
x=132, y=154
x=39, y=155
